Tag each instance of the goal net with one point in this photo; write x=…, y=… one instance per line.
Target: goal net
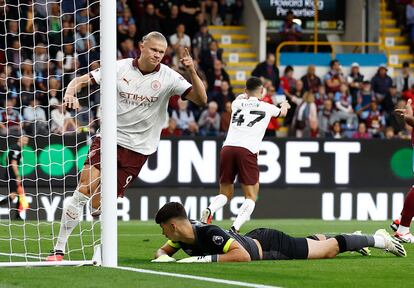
x=43, y=46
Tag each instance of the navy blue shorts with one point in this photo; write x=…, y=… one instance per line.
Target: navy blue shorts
x=277, y=245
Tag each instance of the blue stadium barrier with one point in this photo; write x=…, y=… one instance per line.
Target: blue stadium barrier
x=371, y=59
x=323, y=59
x=304, y=59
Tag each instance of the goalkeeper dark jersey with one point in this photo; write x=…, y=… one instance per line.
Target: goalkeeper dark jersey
x=211, y=240
x=15, y=153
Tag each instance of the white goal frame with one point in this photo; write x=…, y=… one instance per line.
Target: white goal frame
x=109, y=226
x=105, y=254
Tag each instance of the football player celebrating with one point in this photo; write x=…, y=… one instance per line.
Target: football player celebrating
x=250, y=118
x=402, y=226
x=144, y=89
x=210, y=243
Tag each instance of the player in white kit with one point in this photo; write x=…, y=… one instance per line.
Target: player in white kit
x=144, y=88
x=249, y=120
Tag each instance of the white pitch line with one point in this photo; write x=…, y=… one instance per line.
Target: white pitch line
x=21, y=255
x=199, y=278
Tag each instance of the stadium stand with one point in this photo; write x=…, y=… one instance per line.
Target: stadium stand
x=396, y=28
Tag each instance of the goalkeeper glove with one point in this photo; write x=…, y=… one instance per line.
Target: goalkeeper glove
x=164, y=259
x=199, y=259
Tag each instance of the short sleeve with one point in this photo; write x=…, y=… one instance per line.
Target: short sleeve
x=180, y=86
x=175, y=245
x=218, y=240
x=274, y=111
x=120, y=65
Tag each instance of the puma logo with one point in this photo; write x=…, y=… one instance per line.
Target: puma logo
x=127, y=81
x=72, y=215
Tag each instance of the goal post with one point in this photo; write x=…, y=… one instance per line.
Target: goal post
x=108, y=124
x=43, y=46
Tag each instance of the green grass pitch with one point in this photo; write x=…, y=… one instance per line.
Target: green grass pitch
x=138, y=241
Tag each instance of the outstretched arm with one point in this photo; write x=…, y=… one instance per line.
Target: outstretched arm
x=166, y=249
x=235, y=253
x=163, y=255
x=198, y=93
x=77, y=83
x=284, y=107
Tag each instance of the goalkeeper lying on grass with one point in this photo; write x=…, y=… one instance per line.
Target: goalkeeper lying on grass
x=210, y=243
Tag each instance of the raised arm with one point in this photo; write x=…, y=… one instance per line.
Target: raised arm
x=198, y=94
x=77, y=83
x=284, y=107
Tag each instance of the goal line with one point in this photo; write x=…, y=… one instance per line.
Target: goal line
x=197, y=278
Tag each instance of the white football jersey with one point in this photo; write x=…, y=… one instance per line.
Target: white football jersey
x=142, y=103
x=249, y=120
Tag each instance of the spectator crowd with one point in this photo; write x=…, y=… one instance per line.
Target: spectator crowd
x=43, y=46
x=339, y=105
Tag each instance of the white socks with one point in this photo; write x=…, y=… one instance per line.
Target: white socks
x=403, y=230
x=244, y=213
x=72, y=211
x=379, y=241
x=218, y=202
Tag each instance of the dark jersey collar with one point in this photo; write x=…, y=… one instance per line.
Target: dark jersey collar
x=135, y=64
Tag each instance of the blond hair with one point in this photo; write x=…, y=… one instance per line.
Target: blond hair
x=154, y=35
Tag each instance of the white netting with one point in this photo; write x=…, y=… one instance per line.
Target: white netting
x=43, y=46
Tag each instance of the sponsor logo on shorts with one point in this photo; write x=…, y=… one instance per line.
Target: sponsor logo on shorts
x=155, y=85
x=218, y=240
